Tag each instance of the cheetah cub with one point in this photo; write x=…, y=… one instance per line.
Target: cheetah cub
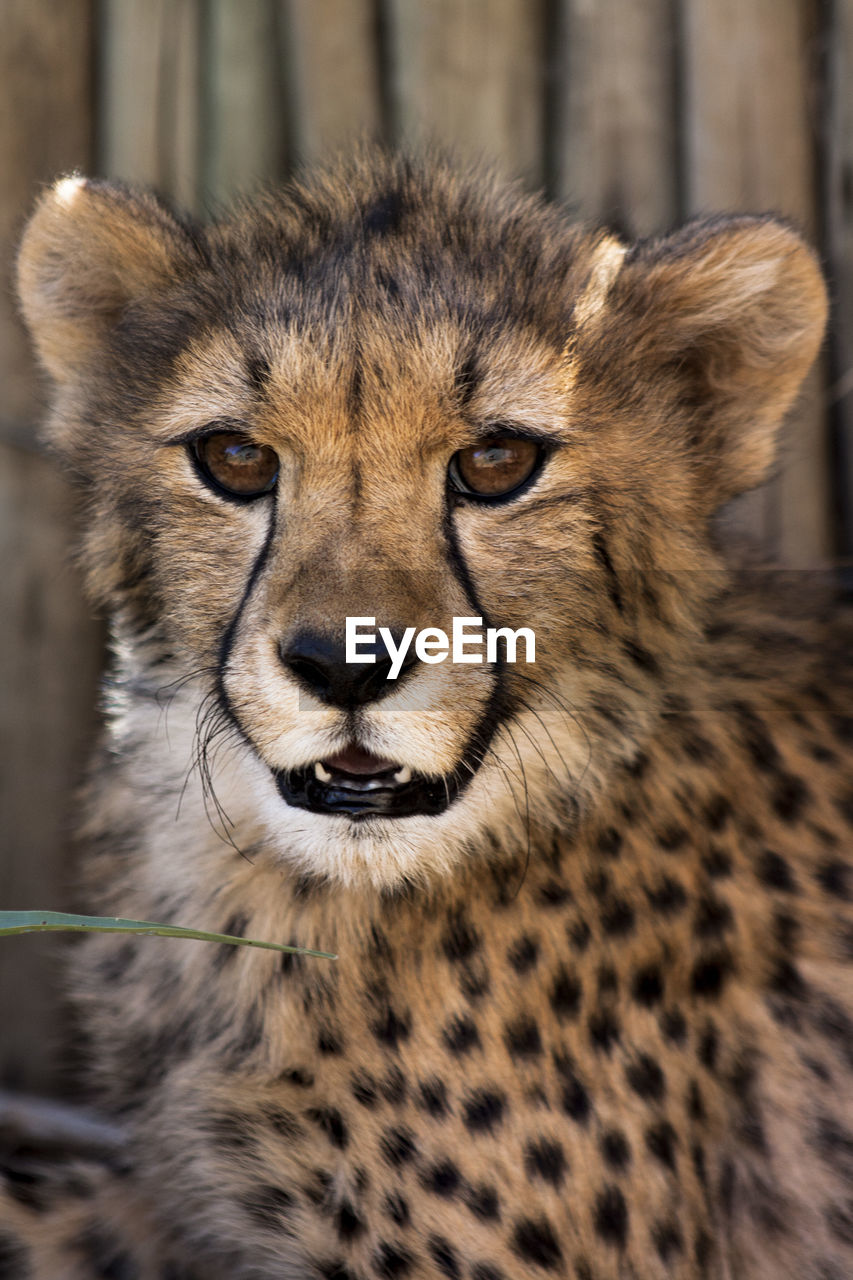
x=591, y=1014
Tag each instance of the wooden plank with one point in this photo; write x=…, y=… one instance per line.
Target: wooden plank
x=332, y=63
x=49, y=658
x=614, y=144
x=750, y=133
x=838, y=204
x=48, y=644
x=244, y=101
x=149, y=94
x=468, y=74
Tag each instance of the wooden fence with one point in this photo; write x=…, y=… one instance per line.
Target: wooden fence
x=637, y=112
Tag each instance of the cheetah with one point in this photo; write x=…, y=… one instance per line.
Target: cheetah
x=591, y=1015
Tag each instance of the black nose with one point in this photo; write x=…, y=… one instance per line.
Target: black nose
x=319, y=664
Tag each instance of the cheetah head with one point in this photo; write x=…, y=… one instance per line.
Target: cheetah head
x=397, y=392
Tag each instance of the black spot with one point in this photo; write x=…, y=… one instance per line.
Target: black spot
x=609, y=842
x=433, y=1097
x=647, y=985
x=617, y=918
x=708, y=1047
x=231, y=1130
x=667, y=1240
x=283, y=1122
x=661, y=1142
x=611, y=1216
x=579, y=934
x=717, y=812
x=467, y=376
x=268, y=1205
x=565, y=994
x=672, y=839
x=391, y=1261
x=641, y=657
x=695, y=1105
x=347, y=1222
x=833, y=1022
x=14, y=1258
x=523, y=954
x=545, y=1159
x=615, y=1149
x=832, y=877
x=474, y=980
x=484, y=1271
x=773, y=871
x=296, y=1075
x=26, y=1187
x=442, y=1179
x=709, y=975
x=364, y=1089
x=716, y=863
x=533, y=1240
x=397, y=1146
x=385, y=216
x=553, y=893
x=258, y=369
x=392, y=1029
x=331, y=1122
x=460, y=1035
x=790, y=796
x=839, y=1219
x=835, y=1144
x=461, y=940
x=335, y=1270
x=483, y=1110
x=394, y=1086
x=329, y=1043
x=668, y=897
x=104, y=1255
x=115, y=965
x=444, y=1257
x=575, y=1099
x=703, y=1249
x=785, y=979
x=482, y=1200
x=603, y=555
x=522, y=1038
x=397, y=1209
x=604, y=1030
x=756, y=738
x=713, y=917
x=318, y=1190
x=646, y=1078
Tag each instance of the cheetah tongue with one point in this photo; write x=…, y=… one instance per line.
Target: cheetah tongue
x=358, y=763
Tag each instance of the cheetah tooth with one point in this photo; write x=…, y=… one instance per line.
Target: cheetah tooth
x=403, y=775
x=321, y=774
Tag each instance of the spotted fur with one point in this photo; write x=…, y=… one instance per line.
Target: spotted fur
x=594, y=1019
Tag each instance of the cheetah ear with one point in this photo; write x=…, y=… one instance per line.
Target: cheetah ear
x=734, y=309
x=88, y=250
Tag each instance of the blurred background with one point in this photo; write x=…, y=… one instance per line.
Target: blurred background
x=637, y=112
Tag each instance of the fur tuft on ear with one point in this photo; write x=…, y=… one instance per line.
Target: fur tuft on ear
x=88, y=250
x=734, y=308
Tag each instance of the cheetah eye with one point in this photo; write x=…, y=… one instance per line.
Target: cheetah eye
x=234, y=464
x=494, y=467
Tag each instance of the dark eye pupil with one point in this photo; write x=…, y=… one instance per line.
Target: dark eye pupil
x=236, y=465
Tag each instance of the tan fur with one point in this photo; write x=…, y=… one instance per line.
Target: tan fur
x=578, y=1017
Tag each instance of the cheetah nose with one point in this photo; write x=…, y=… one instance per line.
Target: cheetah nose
x=318, y=662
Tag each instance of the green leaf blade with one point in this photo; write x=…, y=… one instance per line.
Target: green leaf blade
x=18, y=922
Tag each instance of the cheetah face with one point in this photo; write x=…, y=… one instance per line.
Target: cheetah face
x=404, y=394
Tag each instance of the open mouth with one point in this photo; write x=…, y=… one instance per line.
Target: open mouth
x=356, y=783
